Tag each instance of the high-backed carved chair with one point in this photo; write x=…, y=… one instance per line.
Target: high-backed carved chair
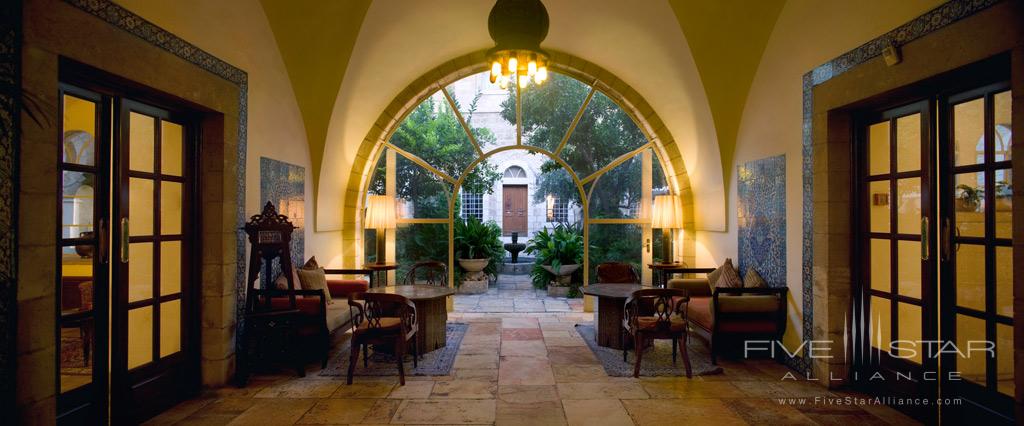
x=617, y=273
x=382, y=319
x=657, y=313
x=429, y=272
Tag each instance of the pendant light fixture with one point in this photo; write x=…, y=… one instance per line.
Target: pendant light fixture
x=517, y=28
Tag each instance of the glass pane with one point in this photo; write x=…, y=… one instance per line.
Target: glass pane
x=488, y=109
x=910, y=329
x=79, y=131
x=171, y=143
x=970, y=276
x=881, y=265
x=170, y=327
x=378, y=177
x=1004, y=203
x=908, y=207
x=140, y=271
x=604, y=133
x=548, y=110
x=1004, y=359
x=1003, y=132
x=140, y=207
x=417, y=242
x=972, y=363
x=76, y=343
x=170, y=208
x=433, y=133
x=142, y=139
x=908, y=143
x=970, y=204
x=616, y=243
x=881, y=323
x=878, y=202
x=617, y=193
x=170, y=267
x=556, y=189
x=77, y=204
x=969, y=132
x=140, y=336
x=909, y=270
x=421, y=193
x=370, y=245
x=1004, y=281
x=878, y=148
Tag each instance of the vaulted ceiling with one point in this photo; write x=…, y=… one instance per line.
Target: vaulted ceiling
x=324, y=42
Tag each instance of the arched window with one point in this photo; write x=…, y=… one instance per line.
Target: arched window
x=596, y=170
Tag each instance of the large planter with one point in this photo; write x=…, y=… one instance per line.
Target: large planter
x=563, y=271
x=474, y=265
x=558, y=291
x=473, y=287
x=475, y=281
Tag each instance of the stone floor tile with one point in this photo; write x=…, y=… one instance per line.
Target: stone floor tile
x=547, y=413
x=477, y=373
x=767, y=411
x=518, y=370
x=534, y=348
x=519, y=323
x=570, y=355
x=579, y=373
x=180, y=411
x=338, y=411
x=663, y=412
x=565, y=341
x=450, y=411
x=411, y=390
x=588, y=412
x=689, y=388
x=301, y=388
x=601, y=390
x=465, y=389
x=279, y=411
x=521, y=334
x=527, y=394
x=361, y=389
x=476, y=361
x=382, y=412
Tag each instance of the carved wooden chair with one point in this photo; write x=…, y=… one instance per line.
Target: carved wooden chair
x=617, y=273
x=430, y=272
x=657, y=313
x=382, y=320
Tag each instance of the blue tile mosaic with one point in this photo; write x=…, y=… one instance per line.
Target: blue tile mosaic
x=761, y=216
x=284, y=185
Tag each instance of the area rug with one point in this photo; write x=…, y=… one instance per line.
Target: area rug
x=434, y=363
x=657, y=359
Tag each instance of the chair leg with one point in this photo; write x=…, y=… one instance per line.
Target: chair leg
x=638, y=347
x=622, y=342
x=415, y=350
x=353, y=358
x=686, y=355
x=400, y=354
x=674, y=350
x=366, y=356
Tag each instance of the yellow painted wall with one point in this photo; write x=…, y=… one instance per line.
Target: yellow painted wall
x=807, y=34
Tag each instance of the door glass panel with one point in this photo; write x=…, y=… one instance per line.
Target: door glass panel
x=1004, y=203
x=972, y=364
x=970, y=276
x=418, y=242
x=170, y=208
x=171, y=143
x=140, y=336
x=79, y=131
x=909, y=269
x=969, y=204
x=548, y=109
x=603, y=133
x=1003, y=131
x=488, y=109
x=140, y=271
x=910, y=330
x=881, y=320
x=170, y=327
x=1004, y=281
x=881, y=265
x=969, y=132
x=908, y=143
x=1004, y=359
x=170, y=267
x=615, y=243
x=140, y=207
x=617, y=193
x=878, y=202
x=77, y=204
x=908, y=207
x=77, y=332
x=878, y=148
x=422, y=193
x=142, y=138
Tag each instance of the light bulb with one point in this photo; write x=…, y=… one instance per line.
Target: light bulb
x=537, y=79
x=503, y=82
x=523, y=81
x=531, y=68
x=512, y=64
x=493, y=77
x=542, y=73
x=496, y=69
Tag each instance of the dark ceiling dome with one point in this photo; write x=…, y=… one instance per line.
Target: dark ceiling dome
x=518, y=24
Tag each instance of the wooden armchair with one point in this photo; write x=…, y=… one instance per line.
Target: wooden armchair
x=657, y=313
x=617, y=273
x=382, y=319
x=430, y=272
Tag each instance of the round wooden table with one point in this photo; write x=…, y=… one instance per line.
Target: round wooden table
x=610, y=301
x=431, y=311
x=379, y=270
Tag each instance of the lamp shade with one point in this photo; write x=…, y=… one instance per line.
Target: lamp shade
x=380, y=212
x=666, y=213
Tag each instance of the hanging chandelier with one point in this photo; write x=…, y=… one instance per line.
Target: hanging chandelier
x=517, y=28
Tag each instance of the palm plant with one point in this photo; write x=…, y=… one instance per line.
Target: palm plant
x=478, y=240
x=561, y=246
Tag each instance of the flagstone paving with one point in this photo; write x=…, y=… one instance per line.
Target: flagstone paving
x=527, y=369
x=515, y=293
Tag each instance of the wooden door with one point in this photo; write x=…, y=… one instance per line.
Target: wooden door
x=514, y=216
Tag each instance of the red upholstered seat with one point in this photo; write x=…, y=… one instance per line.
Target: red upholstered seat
x=699, y=311
x=651, y=323
x=386, y=323
x=342, y=288
x=306, y=305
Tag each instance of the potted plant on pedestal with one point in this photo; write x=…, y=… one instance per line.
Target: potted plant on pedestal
x=558, y=254
x=479, y=250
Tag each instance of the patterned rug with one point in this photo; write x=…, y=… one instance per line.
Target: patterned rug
x=657, y=360
x=434, y=363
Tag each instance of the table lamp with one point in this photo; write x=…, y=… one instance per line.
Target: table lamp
x=380, y=215
x=666, y=215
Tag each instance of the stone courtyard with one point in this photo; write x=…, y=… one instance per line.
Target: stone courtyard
x=515, y=293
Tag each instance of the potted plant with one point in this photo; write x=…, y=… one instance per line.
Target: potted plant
x=479, y=250
x=558, y=254
x=1004, y=196
x=968, y=198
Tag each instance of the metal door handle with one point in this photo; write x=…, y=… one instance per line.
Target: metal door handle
x=124, y=240
x=104, y=243
x=647, y=245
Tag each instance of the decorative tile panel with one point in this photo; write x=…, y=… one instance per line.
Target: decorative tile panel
x=284, y=185
x=761, y=215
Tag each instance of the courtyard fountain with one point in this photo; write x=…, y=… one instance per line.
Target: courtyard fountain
x=513, y=265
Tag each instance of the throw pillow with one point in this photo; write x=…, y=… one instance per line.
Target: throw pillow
x=729, y=277
x=753, y=280
x=311, y=263
x=314, y=279
x=714, y=275
x=281, y=283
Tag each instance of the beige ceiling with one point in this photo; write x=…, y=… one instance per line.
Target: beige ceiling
x=693, y=60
